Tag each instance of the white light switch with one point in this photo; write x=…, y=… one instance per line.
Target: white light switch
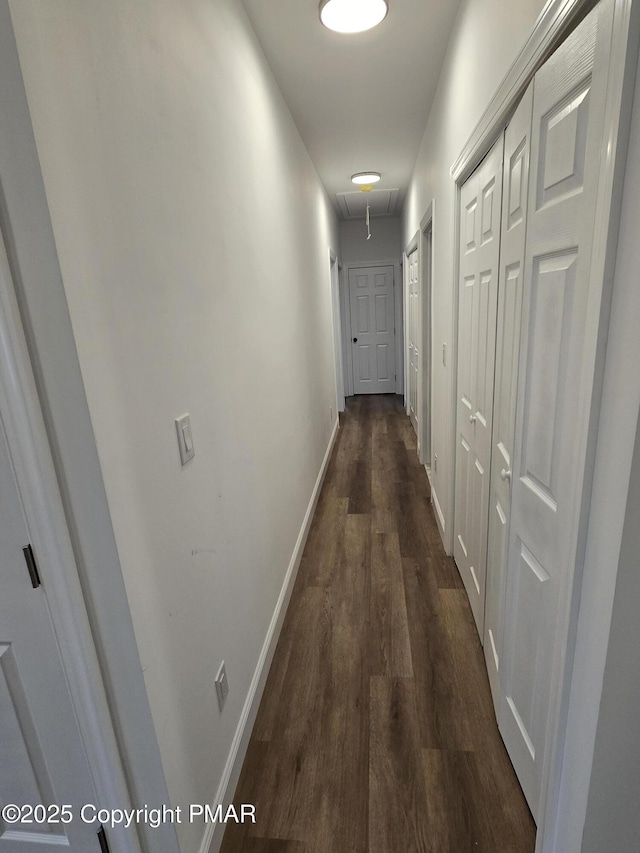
x=185, y=438
x=188, y=438
x=222, y=685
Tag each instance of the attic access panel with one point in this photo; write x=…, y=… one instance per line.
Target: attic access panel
x=353, y=205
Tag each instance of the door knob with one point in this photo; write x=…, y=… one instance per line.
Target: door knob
x=473, y=418
x=506, y=475
x=355, y=340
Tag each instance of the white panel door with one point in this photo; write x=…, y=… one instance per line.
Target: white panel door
x=372, y=330
x=561, y=311
x=515, y=184
x=413, y=338
x=42, y=760
x=480, y=206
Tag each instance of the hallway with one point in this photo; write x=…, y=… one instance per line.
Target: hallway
x=376, y=731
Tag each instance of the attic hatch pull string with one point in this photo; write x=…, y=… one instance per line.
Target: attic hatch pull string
x=366, y=188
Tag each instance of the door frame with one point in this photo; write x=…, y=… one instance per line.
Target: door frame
x=412, y=246
x=32, y=462
x=585, y=611
x=425, y=301
x=334, y=271
x=405, y=326
x=425, y=329
x=346, y=320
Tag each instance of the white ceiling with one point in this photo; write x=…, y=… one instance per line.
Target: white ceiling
x=359, y=101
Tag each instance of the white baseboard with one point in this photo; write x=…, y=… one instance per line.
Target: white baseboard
x=214, y=832
x=439, y=514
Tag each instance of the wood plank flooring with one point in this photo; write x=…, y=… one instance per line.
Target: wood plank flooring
x=376, y=731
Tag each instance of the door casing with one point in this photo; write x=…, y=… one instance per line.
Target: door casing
x=412, y=252
x=426, y=317
x=334, y=267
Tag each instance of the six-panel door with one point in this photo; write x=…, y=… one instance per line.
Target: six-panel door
x=561, y=313
x=512, y=248
x=480, y=208
x=371, y=301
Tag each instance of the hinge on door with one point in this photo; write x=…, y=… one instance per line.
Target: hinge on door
x=32, y=566
x=102, y=838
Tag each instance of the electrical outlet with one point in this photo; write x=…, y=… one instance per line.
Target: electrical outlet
x=222, y=685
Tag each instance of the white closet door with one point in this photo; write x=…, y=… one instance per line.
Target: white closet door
x=512, y=245
x=561, y=311
x=413, y=339
x=480, y=207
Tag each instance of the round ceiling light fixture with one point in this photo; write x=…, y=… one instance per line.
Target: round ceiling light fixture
x=365, y=178
x=352, y=16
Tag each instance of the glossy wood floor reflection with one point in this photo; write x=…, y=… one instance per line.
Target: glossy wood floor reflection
x=376, y=732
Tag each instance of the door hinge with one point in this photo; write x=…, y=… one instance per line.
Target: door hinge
x=32, y=566
x=102, y=838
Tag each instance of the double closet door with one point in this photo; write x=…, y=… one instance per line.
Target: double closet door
x=529, y=311
x=480, y=205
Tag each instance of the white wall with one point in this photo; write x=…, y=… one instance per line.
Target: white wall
x=384, y=243
x=613, y=818
x=27, y=232
x=193, y=238
x=487, y=36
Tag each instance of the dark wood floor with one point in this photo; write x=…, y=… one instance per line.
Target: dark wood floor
x=376, y=732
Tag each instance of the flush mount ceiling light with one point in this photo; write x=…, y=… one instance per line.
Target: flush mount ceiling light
x=352, y=16
x=365, y=178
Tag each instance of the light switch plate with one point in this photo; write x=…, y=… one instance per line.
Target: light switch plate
x=222, y=685
x=185, y=438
